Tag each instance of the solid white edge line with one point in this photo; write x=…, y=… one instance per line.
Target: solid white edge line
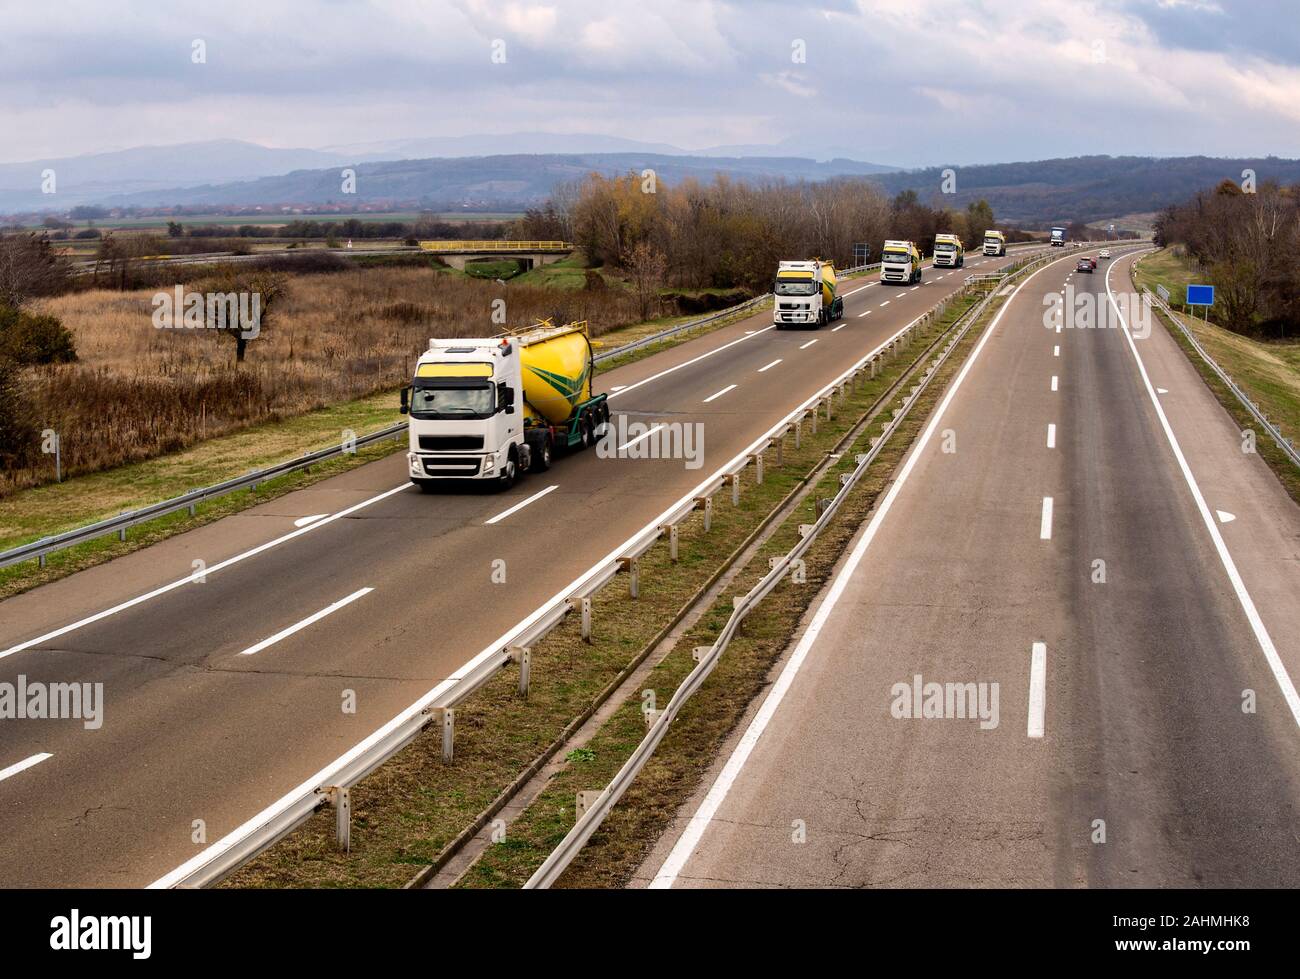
x=1037, y=690
x=718, y=394
x=299, y=626
x=1045, y=524
x=698, y=823
x=23, y=765
x=1262, y=637
x=213, y=569
x=521, y=504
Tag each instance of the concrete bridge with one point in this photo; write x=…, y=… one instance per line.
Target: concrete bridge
x=531, y=253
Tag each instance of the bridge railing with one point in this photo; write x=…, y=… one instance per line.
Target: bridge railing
x=496, y=246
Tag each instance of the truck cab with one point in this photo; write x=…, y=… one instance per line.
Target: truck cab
x=995, y=243
x=949, y=252
x=900, y=263
x=804, y=294
x=1058, y=237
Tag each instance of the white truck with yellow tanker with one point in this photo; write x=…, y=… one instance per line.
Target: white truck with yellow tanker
x=995, y=243
x=900, y=263
x=949, y=252
x=804, y=294
x=491, y=409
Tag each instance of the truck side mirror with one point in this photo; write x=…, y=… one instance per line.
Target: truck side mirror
x=405, y=406
x=505, y=398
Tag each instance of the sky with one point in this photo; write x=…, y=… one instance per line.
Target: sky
x=901, y=82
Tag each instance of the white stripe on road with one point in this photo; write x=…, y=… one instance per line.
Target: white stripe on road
x=840, y=327
x=805, y=346
x=867, y=313
x=299, y=626
x=1054, y=382
x=646, y=435
x=23, y=765
x=886, y=302
x=717, y=794
x=1056, y=351
x=1045, y=526
x=304, y=521
x=1051, y=436
x=729, y=387
x=693, y=360
x=769, y=366
x=520, y=505
x=1229, y=566
x=1038, y=690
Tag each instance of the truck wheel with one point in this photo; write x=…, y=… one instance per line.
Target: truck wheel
x=426, y=485
x=541, y=460
x=588, y=432
x=508, y=473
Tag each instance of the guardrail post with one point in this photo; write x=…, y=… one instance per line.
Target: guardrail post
x=523, y=655
x=121, y=535
x=873, y=366
x=585, y=800
x=813, y=417
x=798, y=431
x=671, y=528
x=445, y=717
x=40, y=561
x=705, y=503
x=586, y=618
x=734, y=480
x=341, y=799
x=830, y=405
x=633, y=567
x=758, y=466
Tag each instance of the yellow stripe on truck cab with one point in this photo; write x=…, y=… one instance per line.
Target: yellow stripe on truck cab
x=454, y=370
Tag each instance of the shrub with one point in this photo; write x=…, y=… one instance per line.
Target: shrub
x=33, y=338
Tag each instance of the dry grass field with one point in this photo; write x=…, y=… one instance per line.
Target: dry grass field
x=138, y=391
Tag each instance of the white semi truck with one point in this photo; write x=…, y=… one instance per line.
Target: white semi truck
x=995, y=243
x=804, y=294
x=492, y=409
x=949, y=252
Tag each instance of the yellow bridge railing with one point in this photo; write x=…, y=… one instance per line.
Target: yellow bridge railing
x=496, y=246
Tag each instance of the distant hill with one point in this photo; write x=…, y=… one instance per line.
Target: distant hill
x=510, y=181
x=1085, y=188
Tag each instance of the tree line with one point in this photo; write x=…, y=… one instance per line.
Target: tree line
x=1245, y=244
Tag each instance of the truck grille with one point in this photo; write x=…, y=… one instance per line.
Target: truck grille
x=452, y=466
x=451, y=443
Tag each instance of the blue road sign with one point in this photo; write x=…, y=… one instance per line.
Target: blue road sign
x=1200, y=295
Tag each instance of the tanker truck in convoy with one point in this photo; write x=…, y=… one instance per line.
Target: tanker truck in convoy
x=804, y=294
x=490, y=410
x=948, y=252
x=900, y=262
x=995, y=243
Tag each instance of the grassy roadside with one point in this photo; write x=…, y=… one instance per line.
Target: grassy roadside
x=407, y=813
x=1269, y=372
x=29, y=515
x=677, y=768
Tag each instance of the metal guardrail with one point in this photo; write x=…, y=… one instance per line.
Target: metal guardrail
x=560, y=858
x=37, y=550
x=1275, y=433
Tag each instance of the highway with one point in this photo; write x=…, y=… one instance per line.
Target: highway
x=224, y=694
x=1099, y=553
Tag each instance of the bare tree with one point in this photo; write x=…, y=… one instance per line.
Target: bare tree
x=29, y=267
x=647, y=265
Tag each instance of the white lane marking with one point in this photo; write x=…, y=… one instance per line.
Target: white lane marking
x=1037, y=690
x=1051, y=436
x=1225, y=517
x=694, y=832
x=805, y=346
x=646, y=435
x=854, y=292
x=729, y=387
x=212, y=569
x=299, y=626
x=886, y=302
x=867, y=313
x=769, y=366
x=1058, y=327
x=304, y=521
x=1056, y=351
x=616, y=388
x=1162, y=390
x=1054, y=382
x=840, y=327
x=750, y=333
x=914, y=288
x=1238, y=585
x=1045, y=525
x=694, y=360
x=521, y=504
x=23, y=765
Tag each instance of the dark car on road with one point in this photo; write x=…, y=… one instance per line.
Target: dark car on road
x=1085, y=264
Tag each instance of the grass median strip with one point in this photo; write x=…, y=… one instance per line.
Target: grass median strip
x=409, y=812
x=676, y=769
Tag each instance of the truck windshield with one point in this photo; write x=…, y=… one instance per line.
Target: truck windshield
x=945, y=246
x=895, y=257
x=795, y=287
x=992, y=241
x=432, y=401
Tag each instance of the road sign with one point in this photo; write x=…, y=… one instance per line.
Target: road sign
x=861, y=252
x=1200, y=295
